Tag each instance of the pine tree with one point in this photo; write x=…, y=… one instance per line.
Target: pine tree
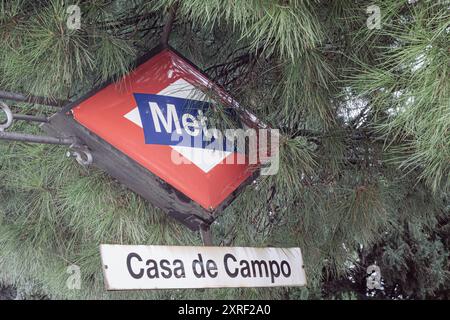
x=362, y=105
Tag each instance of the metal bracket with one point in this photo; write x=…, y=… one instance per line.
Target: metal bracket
x=9, y=116
x=28, y=118
x=82, y=155
x=15, y=136
x=32, y=99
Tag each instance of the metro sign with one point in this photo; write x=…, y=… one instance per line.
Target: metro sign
x=150, y=131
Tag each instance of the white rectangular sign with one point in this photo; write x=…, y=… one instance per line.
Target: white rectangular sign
x=170, y=267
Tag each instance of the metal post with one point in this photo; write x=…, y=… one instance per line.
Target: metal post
x=13, y=136
x=26, y=117
x=205, y=233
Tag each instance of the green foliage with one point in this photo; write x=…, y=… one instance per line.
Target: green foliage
x=409, y=89
x=364, y=117
x=412, y=257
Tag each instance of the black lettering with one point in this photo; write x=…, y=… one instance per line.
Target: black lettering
x=152, y=271
x=130, y=270
x=211, y=268
x=287, y=273
x=245, y=270
x=274, y=274
x=260, y=265
x=179, y=271
x=196, y=263
x=166, y=271
x=225, y=260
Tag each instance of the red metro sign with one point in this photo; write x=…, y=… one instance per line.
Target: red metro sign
x=150, y=131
